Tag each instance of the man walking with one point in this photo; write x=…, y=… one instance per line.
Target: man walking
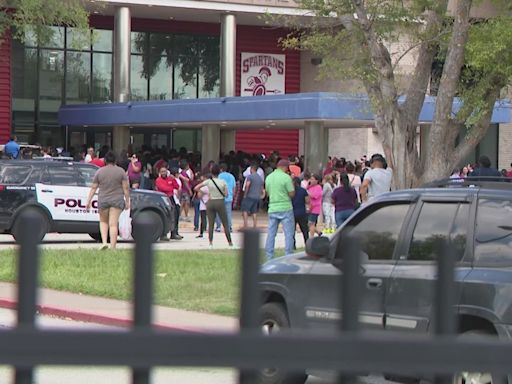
x=280, y=190
x=253, y=189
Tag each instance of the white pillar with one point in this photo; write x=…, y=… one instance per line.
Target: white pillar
x=227, y=72
x=210, y=143
x=316, y=139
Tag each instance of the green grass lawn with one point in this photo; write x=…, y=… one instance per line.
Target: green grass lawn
x=205, y=281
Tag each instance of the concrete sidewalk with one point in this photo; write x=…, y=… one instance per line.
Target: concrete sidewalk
x=116, y=312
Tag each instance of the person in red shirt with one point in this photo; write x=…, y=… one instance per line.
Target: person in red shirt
x=96, y=160
x=168, y=185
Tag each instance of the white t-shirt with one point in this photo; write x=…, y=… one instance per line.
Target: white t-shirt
x=355, y=182
x=380, y=181
x=260, y=172
x=205, y=196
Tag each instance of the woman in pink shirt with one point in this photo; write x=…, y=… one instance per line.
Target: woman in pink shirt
x=315, y=203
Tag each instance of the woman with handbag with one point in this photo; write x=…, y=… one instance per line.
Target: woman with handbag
x=218, y=190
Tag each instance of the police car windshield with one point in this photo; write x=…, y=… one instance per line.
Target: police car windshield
x=14, y=174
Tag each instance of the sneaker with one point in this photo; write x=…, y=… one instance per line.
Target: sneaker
x=210, y=246
x=176, y=237
x=199, y=236
x=104, y=247
x=217, y=229
x=196, y=229
x=233, y=246
x=164, y=238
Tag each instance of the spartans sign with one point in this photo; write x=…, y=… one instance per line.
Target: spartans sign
x=262, y=74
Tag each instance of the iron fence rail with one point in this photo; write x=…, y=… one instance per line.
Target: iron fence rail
x=142, y=347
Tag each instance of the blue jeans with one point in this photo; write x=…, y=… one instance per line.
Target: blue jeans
x=197, y=212
x=341, y=216
x=229, y=213
x=287, y=220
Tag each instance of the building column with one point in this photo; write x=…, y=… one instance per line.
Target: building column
x=316, y=142
x=227, y=72
x=210, y=143
x=121, y=73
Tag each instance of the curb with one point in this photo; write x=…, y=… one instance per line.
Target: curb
x=87, y=317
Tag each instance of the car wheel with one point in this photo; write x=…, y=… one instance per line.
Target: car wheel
x=156, y=223
x=17, y=230
x=273, y=319
x=477, y=377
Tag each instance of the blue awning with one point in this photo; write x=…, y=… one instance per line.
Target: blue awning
x=335, y=109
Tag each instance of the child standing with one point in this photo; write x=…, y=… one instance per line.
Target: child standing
x=204, y=195
x=315, y=203
x=327, y=206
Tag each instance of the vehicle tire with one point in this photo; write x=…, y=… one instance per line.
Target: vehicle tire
x=273, y=318
x=477, y=377
x=17, y=230
x=157, y=225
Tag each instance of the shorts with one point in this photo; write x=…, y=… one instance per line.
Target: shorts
x=185, y=198
x=119, y=204
x=313, y=218
x=250, y=205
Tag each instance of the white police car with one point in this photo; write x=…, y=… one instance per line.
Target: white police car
x=57, y=192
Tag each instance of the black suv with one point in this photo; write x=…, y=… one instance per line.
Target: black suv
x=398, y=232
x=57, y=191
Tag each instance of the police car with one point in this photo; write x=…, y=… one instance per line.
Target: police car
x=57, y=192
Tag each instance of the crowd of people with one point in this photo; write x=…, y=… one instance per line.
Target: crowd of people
x=291, y=195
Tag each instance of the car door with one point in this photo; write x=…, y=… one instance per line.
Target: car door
x=411, y=292
x=64, y=193
x=378, y=227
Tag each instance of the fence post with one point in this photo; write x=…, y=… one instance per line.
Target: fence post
x=350, y=292
x=28, y=273
x=250, y=297
x=142, y=286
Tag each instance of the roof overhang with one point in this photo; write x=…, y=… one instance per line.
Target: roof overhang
x=335, y=110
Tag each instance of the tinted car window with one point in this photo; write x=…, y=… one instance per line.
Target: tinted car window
x=378, y=232
x=493, y=240
x=437, y=223
x=14, y=174
x=63, y=176
x=86, y=175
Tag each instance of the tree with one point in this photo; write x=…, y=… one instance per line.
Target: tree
x=21, y=17
x=357, y=40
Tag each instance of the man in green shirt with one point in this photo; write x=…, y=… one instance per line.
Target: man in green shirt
x=280, y=190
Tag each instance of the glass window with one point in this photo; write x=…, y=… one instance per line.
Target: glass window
x=139, y=84
x=102, y=40
x=139, y=42
x=378, y=232
x=56, y=37
x=51, y=76
x=185, y=78
x=63, y=176
x=78, y=77
x=86, y=175
x=437, y=223
x=493, y=240
x=76, y=41
x=102, y=77
x=209, y=66
x=14, y=174
x=160, y=84
x=24, y=83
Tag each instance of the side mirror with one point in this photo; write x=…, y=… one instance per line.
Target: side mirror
x=318, y=246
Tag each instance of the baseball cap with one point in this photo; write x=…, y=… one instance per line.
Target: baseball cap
x=283, y=163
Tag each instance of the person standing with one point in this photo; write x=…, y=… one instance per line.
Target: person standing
x=168, y=185
x=315, y=204
x=485, y=170
x=218, y=191
x=203, y=195
x=344, y=199
x=280, y=190
x=327, y=207
x=186, y=176
x=12, y=148
x=230, y=181
x=134, y=171
x=299, y=201
x=253, y=190
x=113, y=197
x=377, y=180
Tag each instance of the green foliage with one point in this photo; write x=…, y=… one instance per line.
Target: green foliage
x=34, y=17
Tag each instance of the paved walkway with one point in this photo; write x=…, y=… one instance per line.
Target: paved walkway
x=119, y=313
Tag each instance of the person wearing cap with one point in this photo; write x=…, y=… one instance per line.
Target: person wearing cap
x=377, y=180
x=280, y=190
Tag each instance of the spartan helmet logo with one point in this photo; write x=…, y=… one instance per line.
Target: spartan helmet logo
x=257, y=83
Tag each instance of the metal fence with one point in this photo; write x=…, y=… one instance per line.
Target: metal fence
x=143, y=347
